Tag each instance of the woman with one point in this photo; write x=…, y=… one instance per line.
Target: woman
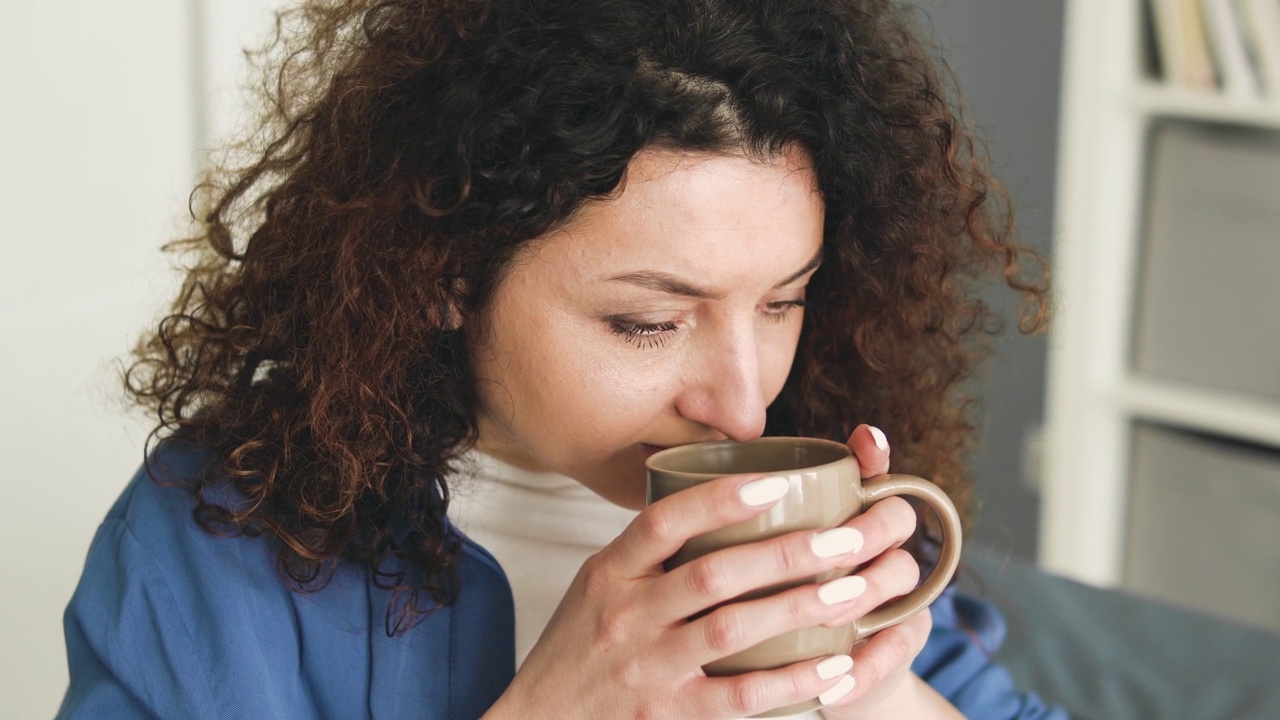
x=521, y=245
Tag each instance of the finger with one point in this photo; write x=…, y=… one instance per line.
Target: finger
x=892, y=575
x=889, y=651
x=726, y=574
x=663, y=527
x=753, y=693
x=740, y=625
x=885, y=525
x=871, y=448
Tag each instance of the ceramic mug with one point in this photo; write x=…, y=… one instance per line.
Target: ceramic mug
x=826, y=491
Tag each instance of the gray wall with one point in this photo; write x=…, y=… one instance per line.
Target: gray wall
x=1006, y=55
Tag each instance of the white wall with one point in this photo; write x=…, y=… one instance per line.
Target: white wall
x=98, y=127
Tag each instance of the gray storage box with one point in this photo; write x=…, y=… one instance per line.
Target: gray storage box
x=1204, y=527
x=1208, y=301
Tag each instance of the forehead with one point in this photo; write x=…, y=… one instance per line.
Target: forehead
x=703, y=182
x=682, y=209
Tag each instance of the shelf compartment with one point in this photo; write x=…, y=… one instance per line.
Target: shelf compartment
x=1202, y=525
x=1205, y=314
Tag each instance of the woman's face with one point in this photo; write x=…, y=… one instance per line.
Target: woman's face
x=667, y=315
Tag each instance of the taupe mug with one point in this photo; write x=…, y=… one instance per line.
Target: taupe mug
x=826, y=492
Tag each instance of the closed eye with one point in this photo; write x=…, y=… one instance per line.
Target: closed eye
x=655, y=335
x=646, y=335
x=778, y=311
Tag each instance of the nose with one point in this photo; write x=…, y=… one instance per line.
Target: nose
x=723, y=388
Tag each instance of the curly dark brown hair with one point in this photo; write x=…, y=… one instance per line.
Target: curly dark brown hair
x=408, y=149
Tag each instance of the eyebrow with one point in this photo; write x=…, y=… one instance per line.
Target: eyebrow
x=668, y=283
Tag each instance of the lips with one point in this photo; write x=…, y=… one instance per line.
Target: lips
x=651, y=449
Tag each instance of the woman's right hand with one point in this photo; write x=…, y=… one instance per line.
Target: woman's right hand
x=620, y=644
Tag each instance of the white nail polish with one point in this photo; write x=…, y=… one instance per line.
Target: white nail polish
x=764, y=491
x=834, y=666
x=842, y=589
x=877, y=434
x=836, y=542
x=838, y=691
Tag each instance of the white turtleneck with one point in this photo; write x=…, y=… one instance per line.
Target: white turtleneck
x=541, y=527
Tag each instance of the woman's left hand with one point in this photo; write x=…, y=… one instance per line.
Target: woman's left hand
x=883, y=682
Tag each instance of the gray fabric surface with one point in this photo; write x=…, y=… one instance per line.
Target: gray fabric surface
x=1106, y=655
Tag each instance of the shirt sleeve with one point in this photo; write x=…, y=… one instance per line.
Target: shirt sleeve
x=129, y=652
x=957, y=663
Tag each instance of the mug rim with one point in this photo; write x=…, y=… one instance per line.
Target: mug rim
x=650, y=466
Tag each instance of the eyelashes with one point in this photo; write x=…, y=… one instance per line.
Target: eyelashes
x=644, y=335
x=655, y=335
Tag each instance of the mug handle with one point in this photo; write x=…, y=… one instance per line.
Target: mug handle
x=948, y=559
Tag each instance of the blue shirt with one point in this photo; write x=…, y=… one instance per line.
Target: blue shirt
x=169, y=621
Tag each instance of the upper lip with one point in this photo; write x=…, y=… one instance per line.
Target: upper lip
x=665, y=446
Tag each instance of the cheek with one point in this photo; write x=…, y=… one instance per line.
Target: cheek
x=777, y=354
x=573, y=381
x=619, y=393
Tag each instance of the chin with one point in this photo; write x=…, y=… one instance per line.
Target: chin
x=621, y=480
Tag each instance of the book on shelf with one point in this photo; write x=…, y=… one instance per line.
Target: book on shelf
x=1260, y=25
x=1182, y=46
x=1232, y=53
x=1166, y=22
x=1200, y=70
x=1227, y=45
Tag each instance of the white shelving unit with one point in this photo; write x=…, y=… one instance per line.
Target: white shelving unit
x=1095, y=395
x=1165, y=403
x=1156, y=100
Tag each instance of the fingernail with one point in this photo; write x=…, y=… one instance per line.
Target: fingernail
x=836, y=542
x=834, y=666
x=842, y=589
x=838, y=691
x=764, y=491
x=877, y=434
